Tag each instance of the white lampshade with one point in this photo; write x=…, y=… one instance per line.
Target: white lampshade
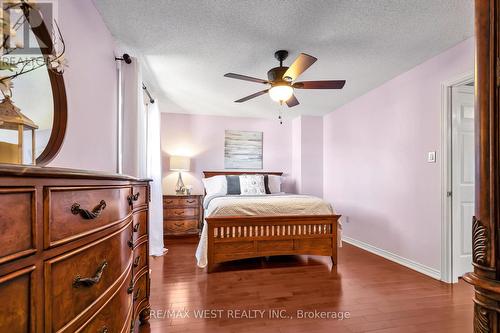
x=179, y=163
x=281, y=93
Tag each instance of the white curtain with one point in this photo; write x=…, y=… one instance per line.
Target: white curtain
x=134, y=121
x=154, y=173
x=141, y=147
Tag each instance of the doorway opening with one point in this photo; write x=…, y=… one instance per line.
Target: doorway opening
x=458, y=152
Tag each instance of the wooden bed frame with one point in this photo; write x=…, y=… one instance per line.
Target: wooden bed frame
x=240, y=237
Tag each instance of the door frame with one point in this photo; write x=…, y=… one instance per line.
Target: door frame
x=446, y=181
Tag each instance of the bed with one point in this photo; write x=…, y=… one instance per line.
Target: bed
x=243, y=228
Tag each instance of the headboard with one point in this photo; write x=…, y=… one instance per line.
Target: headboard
x=208, y=174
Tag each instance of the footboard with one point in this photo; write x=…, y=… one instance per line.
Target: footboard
x=240, y=237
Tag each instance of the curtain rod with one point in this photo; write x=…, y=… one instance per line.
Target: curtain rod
x=151, y=99
x=128, y=60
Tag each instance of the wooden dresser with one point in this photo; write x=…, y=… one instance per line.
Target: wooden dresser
x=181, y=215
x=74, y=251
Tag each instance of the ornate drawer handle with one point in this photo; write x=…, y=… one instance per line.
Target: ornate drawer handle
x=133, y=197
x=169, y=201
x=89, y=282
x=137, y=293
x=130, y=288
x=178, y=224
x=136, y=261
x=136, y=227
x=130, y=242
x=87, y=214
x=104, y=330
x=179, y=213
x=191, y=201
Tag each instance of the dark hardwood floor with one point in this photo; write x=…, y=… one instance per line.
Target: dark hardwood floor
x=380, y=296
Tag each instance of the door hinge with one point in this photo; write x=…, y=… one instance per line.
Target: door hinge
x=449, y=193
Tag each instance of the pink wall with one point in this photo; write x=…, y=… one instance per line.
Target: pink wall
x=307, y=155
x=375, y=168
x=297, y=154
x=312, y=155
x=90, y=141
x=202, y=138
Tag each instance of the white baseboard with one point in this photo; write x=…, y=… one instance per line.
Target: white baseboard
x=433, y=273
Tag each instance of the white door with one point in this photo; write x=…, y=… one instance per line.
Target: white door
x=462, y=171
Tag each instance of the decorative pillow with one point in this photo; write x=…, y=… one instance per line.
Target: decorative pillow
x=266, y=184
x=274, y=183
x=215, y=185
x=233, y=184
x=252, y=185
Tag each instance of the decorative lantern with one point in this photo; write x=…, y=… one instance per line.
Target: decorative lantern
x=12, y=145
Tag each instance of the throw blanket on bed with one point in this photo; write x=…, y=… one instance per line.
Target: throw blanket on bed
x=259, y=205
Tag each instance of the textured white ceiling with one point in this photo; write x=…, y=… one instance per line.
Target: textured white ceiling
x=187, y=46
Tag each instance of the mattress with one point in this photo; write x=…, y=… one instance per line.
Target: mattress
x=266, y=205
x=259, y=205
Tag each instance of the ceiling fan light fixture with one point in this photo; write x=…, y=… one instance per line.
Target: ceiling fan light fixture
x=280, y=93
x=282, y=80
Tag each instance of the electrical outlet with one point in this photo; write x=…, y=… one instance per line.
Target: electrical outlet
x=431, y=157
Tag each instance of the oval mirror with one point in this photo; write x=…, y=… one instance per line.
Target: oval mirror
x=33, y=109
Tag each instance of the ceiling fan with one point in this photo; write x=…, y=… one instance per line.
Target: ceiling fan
x=283, y=80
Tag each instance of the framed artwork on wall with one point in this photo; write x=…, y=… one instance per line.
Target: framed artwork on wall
x=243, y=150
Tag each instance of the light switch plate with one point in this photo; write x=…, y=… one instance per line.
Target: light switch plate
x=431, y=157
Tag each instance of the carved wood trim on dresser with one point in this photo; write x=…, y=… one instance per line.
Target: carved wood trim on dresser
x=485, y=224
x=74, y=254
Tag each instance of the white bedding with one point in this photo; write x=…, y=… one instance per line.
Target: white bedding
x=261, y=205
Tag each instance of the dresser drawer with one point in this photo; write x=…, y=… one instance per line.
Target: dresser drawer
x=76, y=279
x=182, y=202
x=176, y=213
x=17, y=306
x=181, y=226
x=74, y=212
x=115, y=315
x=139, y=196
x=140, y=291
x=17, y=222
x=140, y=257
x=140, y=224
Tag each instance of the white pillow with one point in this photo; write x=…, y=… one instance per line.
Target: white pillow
x=215, y=185
x=252, y=185
x=274, y=183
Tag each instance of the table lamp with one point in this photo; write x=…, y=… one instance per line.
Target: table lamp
x=179, y=163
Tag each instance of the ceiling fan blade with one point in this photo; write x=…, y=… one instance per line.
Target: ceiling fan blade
x=299, y=66
x=244, y=99
x=292, y=101
x=331, y=84
x=244, y=77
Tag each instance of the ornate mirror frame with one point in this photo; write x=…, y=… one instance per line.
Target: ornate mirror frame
x=60, y=103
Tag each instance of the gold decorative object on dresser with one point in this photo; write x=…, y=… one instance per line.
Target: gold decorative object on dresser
x=181, y=215
x=74, y=251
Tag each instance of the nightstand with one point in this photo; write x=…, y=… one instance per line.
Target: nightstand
x=182, y=215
